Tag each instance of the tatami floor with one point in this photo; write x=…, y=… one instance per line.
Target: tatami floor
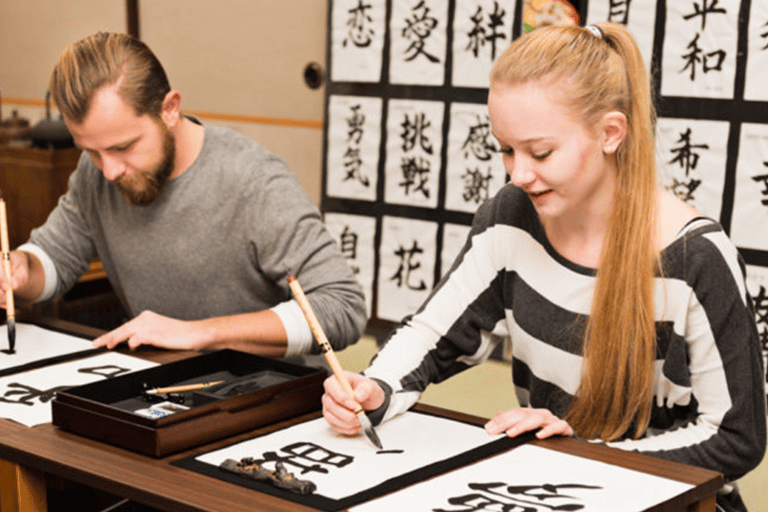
x=486, y=389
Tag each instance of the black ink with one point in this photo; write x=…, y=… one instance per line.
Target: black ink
x=108, y=371
x=712, y=61
x=380, y=452
x=25, y=395
x=417, y=30
x=413, y=133
x=763, y=178
x=478, y=36
x=352, y=159
x=685, y=154
x=476, y=185
x=478, y=142
x=415, y=174
x=359, y=33
x=315, y=455
x=498, y=496
x=704, y=9
x=618, y=11
x=408, y=265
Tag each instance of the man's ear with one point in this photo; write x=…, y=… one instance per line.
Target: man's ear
x=613, y=130
x=170, y=111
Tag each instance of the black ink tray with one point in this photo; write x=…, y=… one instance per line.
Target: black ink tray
x=256, y=391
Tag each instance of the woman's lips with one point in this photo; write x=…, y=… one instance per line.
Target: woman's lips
x=538, y=195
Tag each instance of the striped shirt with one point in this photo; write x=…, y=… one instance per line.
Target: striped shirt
x=508, y=282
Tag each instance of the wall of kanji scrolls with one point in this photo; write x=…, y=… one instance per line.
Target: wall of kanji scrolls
x=408, y=153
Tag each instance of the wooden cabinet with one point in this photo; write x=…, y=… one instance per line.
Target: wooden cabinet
x=32, y=180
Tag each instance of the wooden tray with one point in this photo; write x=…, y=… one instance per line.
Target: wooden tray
x=256, y=391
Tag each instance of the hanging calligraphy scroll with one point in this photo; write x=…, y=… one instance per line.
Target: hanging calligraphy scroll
x=408, y=137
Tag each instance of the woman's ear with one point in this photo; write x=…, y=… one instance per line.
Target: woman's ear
x=613, y=131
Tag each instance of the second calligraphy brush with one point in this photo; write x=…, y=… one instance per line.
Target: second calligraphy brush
x=9, y=308
x=183, y=387
x=330, y=356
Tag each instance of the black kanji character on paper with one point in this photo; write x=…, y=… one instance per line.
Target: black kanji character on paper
x=476, y=185
x=413, y=134
x=500, y=497
x=761, y=315
x=704, y=9
x=353, y=162
x=417, y=30
x=478, y=141
x=416, y=172
x=483, y=33
x=306, y=456
x=23, y=394
x=360, y=33
x=618, y=11
x=763, y=178
x=348, y=243
x=108, y=371
x=711, y=61
x=685, y=154
x=684, y=189
x=408, y=265
x=764, y=35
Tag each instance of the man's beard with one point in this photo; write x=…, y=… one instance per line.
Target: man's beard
x=142, y=188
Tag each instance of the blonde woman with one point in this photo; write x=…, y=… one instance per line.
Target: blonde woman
x=627, y=309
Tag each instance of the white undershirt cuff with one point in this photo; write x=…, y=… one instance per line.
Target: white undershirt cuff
x=49, y=270
x=299, y=334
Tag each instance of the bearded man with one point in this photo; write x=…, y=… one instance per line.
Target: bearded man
x=195, y=224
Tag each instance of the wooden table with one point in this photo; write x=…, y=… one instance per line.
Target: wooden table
x=28, y=455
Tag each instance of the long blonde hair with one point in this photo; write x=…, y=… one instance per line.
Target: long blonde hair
x=606, y=74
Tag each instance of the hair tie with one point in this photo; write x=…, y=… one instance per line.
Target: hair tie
x=596, y=31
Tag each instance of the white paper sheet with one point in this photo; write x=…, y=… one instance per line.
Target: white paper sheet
x=26, y=397
x=532, y=478
x=34, y=343
x=342, y=466
x=407, y=256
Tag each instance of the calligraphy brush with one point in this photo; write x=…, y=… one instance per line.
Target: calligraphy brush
x=330, y=356
x=9, y=308
x=183, y=387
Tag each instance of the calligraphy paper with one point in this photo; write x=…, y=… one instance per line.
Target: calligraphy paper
x=757, y=286
x=475, y=170
x=534, y=479
x=419, y=39
x=638, y=16
x=757, y=53
x=481, y=31
x=749, y=222
x=691, y=159
x=454, y=238
x=355, y=236
x=34, y=344
x=341, y=466
x=357, y=40
x=699, y=52
x=407, y=258
x=354, y=138
x=26, y=397
x=414, y=145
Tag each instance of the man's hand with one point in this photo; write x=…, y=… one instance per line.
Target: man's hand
x=27, y=276
x=152, y=329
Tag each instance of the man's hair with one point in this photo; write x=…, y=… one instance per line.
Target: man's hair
x=107, y=59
